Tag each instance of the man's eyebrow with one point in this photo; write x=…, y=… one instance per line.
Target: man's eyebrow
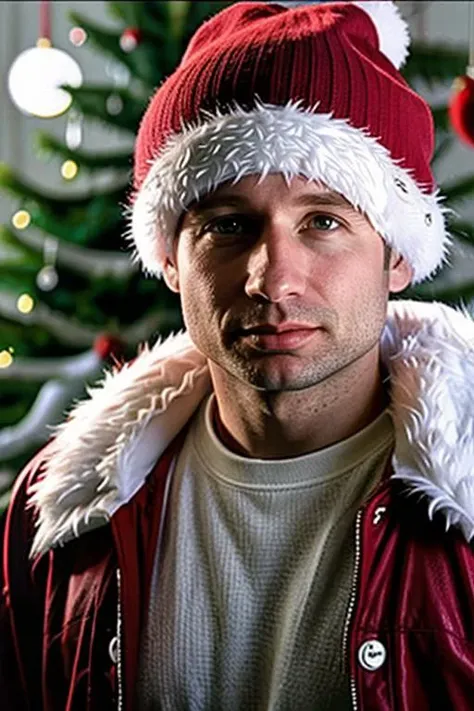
x=211, y=202
x=329, y=198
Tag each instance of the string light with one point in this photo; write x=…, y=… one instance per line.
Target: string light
x=6, y=359
x=21, y=219
x=69, y=169
x=25, y=304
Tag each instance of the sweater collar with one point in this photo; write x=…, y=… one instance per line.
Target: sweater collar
x=101, y=455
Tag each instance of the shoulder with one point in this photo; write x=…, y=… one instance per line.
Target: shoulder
x=102, y=454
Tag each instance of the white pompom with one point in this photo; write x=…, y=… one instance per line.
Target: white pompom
x=394, y=36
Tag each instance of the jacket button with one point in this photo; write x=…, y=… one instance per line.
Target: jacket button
x=372, y=655
x=113, y=649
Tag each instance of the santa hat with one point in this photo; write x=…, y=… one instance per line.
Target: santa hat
x=311, y=90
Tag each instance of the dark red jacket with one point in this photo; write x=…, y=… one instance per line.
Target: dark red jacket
x=413, y=594
x=71, y=616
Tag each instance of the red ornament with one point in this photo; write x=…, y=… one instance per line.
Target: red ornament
x=130, y=39
x=461, y=109
x=107, y=345
x=77, y=35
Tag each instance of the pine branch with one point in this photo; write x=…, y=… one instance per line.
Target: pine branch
x=144, y=62
x=89, y=263
x=441, y=119
x=451, y=295
x=69, y=332
x=199, y=12
x=81, y=219
x=443, y=146
x=463, y=231
x=435, y=63
x=47, y=143
x=65, y=329
x=5, y=497
x=11, y=183
x=158, y=322
x=186, y=18
x=39, y=370
x=92, y=102
x=24, y=341
x=459, y=191
x=14, y=412
x=133, y=14
x=14, y=250
x=17, y=275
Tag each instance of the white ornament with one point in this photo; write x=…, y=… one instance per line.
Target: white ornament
x=35, y=77
x=119, y=73
x=47, y=278
x=74, y=130
x=114, y=104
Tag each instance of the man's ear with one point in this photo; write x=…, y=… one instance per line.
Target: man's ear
x=170, y=275
x=400, y=273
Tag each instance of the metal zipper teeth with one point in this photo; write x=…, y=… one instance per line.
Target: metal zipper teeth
x=119, y=645
x=350, y=609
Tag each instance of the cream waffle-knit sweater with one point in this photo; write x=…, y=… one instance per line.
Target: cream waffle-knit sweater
x=252, y=580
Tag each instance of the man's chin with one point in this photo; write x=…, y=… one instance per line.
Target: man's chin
x=271, y=378
x=272, y=372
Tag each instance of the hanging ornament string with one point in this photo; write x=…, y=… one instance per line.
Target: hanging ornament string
x=470, y=69
x=461, y=104
x=45, y=22
x=419, y=13
x=47, y=278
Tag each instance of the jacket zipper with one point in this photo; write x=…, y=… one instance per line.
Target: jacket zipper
x=350, y=609
x=120, y=705
x=119, y=645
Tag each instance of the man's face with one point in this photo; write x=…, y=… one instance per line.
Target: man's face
x=281, y=286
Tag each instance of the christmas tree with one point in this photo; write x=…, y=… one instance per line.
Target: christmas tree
x=70, y=296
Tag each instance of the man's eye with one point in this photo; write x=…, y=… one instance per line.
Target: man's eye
x=326, y=223
x=240, y=225
x=229, y=225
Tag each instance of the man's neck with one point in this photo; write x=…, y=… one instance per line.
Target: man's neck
x=255, y=424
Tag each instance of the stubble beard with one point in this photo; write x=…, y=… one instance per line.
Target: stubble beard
x=274, y=378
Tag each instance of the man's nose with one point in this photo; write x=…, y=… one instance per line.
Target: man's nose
x=277, y=266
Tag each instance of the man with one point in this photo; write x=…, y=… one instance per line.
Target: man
x=274, y=509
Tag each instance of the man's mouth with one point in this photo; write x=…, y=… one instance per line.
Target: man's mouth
x=278, y=337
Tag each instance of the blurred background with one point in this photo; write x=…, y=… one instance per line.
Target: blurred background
x=72, y=302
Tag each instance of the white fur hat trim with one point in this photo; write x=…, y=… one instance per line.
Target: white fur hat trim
x=293, y=141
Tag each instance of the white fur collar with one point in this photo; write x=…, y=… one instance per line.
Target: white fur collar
x=103, y=452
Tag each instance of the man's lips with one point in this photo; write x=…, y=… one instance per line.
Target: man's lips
x=277, y=337
x=269, y=328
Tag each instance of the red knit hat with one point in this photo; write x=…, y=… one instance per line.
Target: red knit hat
x=312, y=90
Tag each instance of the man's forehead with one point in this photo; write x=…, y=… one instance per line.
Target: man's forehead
x=301, y=192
